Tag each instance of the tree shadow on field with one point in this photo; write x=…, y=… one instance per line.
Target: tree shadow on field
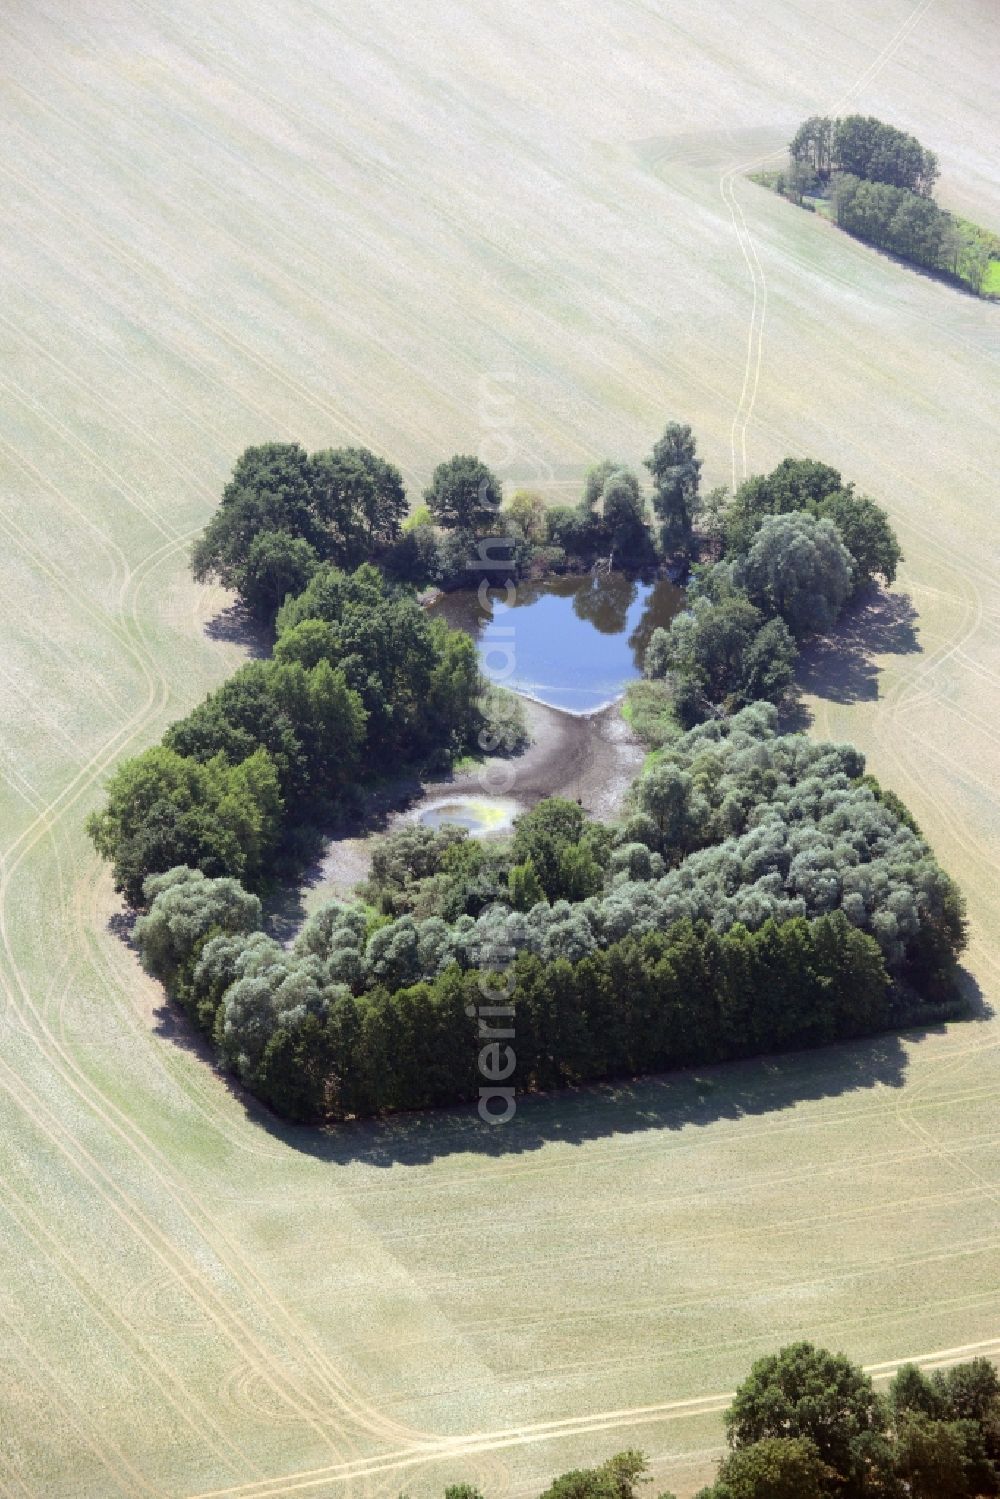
x=842, y=667
x=927, y=272
x=170, y=1021
x=698, y=1097
x=234, y=626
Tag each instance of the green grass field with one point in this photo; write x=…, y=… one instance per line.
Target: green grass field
x=433, y=228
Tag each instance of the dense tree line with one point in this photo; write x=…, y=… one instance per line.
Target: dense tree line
x=809, y=1424
x=733, y=824
x=612, y=522
x=758, y=894
x=893, y=219
x=914, y=228
x=795, y=545
x=361, y=679
x=286, y=515
x=313, y=1049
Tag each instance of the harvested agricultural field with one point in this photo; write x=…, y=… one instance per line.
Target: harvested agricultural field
x=527, y=233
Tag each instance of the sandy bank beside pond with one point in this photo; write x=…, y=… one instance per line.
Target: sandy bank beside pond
x=592, y=758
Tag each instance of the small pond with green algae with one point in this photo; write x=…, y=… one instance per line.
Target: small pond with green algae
x=478, y=814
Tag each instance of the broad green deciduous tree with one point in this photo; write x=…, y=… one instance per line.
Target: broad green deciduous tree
x=864, y=529
x=464, y=494
x=163, y=810
x=809, y=1393
x=799, y=569
x=774, y=1468
x=284, y=512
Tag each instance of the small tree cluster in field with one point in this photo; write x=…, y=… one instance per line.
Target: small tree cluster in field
x=759, y=894
x=795, y=545
x=808, y=1424
x=881, y=181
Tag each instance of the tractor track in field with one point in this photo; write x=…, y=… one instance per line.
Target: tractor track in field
x=542, y=1431
x=316, y=1410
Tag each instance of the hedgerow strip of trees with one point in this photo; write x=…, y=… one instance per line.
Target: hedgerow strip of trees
x=287, y=515
x=809, y=1424
x=314, y=1050
x=881, y=181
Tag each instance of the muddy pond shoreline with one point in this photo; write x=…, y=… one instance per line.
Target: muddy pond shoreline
x=591, y=758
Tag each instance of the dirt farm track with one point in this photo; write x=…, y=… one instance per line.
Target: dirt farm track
x=451, y=226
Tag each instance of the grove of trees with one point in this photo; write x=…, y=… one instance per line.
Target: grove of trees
x=360, y=679
x=865, y=147
x=760, y=891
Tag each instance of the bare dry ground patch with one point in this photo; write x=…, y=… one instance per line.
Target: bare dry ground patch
x=430, y=228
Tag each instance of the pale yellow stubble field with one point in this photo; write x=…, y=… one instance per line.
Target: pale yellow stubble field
x=429, y=228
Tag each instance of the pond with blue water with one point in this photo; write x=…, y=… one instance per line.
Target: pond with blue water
x=573, y=643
